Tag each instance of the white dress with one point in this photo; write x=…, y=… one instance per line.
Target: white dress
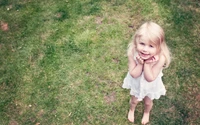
x=141, y=88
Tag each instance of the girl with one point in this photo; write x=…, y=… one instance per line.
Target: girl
x=148, y=54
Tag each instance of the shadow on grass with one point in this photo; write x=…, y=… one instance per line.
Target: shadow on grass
x=185, y=20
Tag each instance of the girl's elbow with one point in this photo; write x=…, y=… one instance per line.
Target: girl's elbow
x=150, y=79
x=134, y=75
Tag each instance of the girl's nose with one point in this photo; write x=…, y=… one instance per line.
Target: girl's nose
x=145, y=48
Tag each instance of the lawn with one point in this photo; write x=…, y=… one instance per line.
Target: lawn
x=63, y=62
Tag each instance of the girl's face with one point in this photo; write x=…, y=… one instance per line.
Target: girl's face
x=145, y=48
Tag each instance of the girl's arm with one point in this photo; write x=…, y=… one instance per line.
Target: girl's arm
x=151, y=71
x=135, y=69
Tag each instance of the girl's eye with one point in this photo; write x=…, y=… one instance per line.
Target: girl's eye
x=142, y=43
x=151, y=46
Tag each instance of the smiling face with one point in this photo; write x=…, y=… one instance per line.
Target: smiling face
x=148, y=40
x=145, y=48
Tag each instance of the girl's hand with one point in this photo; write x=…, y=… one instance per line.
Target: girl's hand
x=152, y=59
x=140, y=60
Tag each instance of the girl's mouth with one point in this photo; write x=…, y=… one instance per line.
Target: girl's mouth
x=144, y=56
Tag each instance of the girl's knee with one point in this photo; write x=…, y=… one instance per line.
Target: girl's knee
x=148, y=102
x=133, y=100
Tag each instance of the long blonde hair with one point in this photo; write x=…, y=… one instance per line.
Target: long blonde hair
x=156, y=36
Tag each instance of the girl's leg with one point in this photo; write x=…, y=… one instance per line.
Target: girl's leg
x=148, y=106
x=133, y=104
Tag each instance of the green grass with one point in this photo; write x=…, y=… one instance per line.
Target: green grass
x=63, y=62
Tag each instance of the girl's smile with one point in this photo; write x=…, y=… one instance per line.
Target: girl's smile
x=144, y=56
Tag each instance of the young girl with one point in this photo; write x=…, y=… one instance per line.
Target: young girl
x=148, y=54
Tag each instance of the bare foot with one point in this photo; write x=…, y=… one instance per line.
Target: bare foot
x=145, y=118
x=131, y=115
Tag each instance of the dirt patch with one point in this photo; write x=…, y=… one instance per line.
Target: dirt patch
x=40, y=113
x=13, y=122
x=115, y=60
x=4, y=26
x=98, y=20
x=110, y=98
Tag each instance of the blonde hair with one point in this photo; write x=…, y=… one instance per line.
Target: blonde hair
x=155, y=34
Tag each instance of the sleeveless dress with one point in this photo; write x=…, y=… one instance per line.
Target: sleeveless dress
x=140, y=88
